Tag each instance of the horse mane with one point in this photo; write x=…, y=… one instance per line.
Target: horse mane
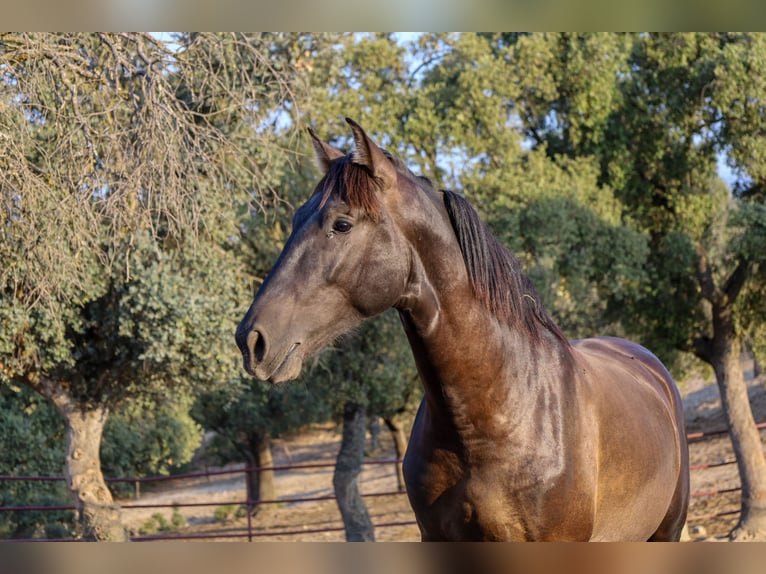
x=497, y=279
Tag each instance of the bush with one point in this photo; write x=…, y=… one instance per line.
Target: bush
x=32, y=444
x=143, y=438
x=224, y=513
x=177, y=520
x=158, y=523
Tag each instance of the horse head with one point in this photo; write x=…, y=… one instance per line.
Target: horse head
x=344, y=261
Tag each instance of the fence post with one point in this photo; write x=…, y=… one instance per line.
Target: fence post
x=249, y=496
x=137, y=488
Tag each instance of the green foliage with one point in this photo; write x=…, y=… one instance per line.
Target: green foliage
x=749, y=237
x=586, y=267
x=653, y=112
x=177, y=520
x=740, y=85
x=164, y=328
x=247, y=409
x=124, y=166
x=159, y=523
x=31, y=444
x=117, y=133
x=122, y=185
x=148, y=439
x=749, y=243
x=594, y=157
x=567, y=88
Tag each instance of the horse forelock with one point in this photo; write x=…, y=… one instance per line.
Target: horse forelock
x=354, y=185
x=357, y=187
x=496, y=276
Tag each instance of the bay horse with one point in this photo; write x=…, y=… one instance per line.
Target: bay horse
x=521, y=434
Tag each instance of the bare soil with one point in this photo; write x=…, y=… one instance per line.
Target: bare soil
x=301, y=521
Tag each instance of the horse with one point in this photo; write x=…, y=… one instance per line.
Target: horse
x=521, y=435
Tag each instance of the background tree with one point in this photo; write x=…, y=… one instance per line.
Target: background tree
x=248, y=413
x=144, y=437
x=370, y=373
x=551, y=210
x=126, y=165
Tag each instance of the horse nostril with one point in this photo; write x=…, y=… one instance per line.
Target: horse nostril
x=257, y=345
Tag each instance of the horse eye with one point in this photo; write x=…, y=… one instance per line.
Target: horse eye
x=342, y=226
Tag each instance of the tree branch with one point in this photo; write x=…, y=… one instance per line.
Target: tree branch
x=755, y=191
x=736, y=280
x=702, y=347
x=705, y=277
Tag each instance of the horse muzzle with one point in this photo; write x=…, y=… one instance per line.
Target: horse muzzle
x=266, y=362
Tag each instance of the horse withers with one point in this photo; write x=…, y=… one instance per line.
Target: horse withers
x=521, y=434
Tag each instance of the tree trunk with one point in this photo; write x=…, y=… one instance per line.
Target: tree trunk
x=260, y=484
x=745, y=438
x=98, y=515
x=374, y=428
x=356, y=518
x=400, y=447
x=265, y=460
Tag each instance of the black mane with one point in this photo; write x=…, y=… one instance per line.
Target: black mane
x=495, y=274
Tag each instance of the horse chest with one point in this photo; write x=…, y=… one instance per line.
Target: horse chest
x=454, y=502
x=479, y=509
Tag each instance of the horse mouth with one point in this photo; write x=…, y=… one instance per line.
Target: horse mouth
x=288, y=366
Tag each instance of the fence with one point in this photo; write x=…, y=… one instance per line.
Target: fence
x=700, y=436
x=250, y=533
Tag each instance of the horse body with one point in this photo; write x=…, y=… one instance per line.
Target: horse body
x=544, y=471
x=520, y=440
x=521, y=434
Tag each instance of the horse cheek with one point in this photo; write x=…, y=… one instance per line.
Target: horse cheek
x=378, y=284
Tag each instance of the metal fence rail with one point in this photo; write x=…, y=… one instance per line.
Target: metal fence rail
x=702, y=436
x=249, y=533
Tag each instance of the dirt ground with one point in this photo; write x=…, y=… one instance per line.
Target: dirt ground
x=297, y=521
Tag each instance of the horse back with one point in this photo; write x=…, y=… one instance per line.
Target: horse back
x=603, y=354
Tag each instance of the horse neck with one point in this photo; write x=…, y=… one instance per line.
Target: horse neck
x=480, y=376
x=477, y=372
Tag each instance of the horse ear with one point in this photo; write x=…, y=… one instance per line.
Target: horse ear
x=368, y=154
x=324, y=153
